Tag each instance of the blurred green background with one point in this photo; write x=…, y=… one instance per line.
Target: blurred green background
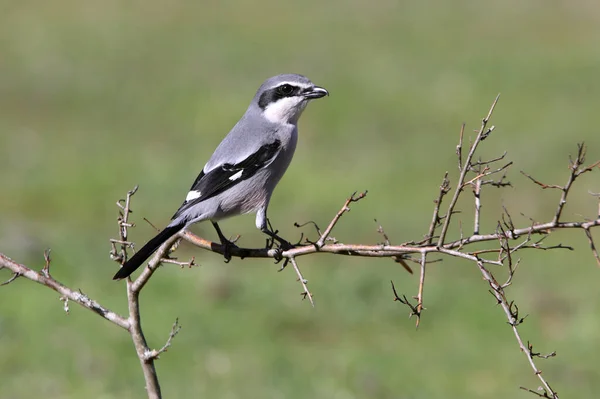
x=96, y=97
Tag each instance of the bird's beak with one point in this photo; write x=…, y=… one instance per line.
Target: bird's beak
x=315, y=92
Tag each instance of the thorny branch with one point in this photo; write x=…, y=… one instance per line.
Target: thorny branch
x=511, y=309
x=336, y=218
x=144, y=353
x=472, y=173
x=398, y=259
x=155, y=354
x=505, y=233
x=444, y=189
x=421, y=286
x=132, y=323
x=44, y=278
x=481, y=135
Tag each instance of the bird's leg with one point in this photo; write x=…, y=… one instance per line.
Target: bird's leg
x=284, y=245
x=227, y=245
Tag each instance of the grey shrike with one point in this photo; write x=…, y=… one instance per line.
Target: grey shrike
x=242, y=173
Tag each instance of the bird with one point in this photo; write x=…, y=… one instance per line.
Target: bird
x=244, y=169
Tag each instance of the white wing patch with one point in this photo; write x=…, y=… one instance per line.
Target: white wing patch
x=236, y=176
x=192, y=195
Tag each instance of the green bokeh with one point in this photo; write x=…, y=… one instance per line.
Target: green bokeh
x=98, y=97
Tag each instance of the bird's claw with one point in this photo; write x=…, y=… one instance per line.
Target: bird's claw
x=227, y=247
x=282, y=245
x=278, y=256
x=285, y=263
x=279, y=250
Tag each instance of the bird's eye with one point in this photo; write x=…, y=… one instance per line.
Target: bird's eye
x=286, y=89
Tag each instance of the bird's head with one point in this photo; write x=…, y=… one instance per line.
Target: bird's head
x=282, y=98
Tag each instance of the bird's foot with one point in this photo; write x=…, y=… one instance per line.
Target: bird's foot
x=228, y=246
x=282, y=245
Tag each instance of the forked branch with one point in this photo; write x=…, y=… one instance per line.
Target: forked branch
x=504, y=241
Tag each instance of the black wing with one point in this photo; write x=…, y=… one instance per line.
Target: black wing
x=223, y=177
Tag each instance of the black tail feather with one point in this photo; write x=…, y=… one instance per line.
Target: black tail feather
x=144, y=253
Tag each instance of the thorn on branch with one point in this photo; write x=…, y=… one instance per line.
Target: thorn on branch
x=491, y=111
x=511, y=273
x=508, y=223
x=588, y=234
x=487, y=132
x=414, y=311
x=303, y=281
x=46, y=268
x=345, y=208
x=558, y=246
x=543, y=394
x=355, y=198
x=190, y=263
x=65, y=301
x=477, y=195
x=133, y=191
x=12, y=278
x=495, y=295
x=514, y=312
x=386, y=242
x=499, y=183
x=402, y=261
x=537, y=354
x=421, y=287
x=539, y=183
x=155, y=354
x=482, y=133
x=588, y=168
x=491, y=161
x=120, y=255
x=597, y=195
x=299, y=225
x=459, y=147
x=574, y=164
x=436, y=218
x=380, y=230
x=151, y=225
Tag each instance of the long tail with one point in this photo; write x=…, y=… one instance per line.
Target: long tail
x=140, y=256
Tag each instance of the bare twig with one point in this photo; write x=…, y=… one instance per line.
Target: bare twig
x=481, y=135
x=541, y=392
x=505, y=241
x=538, y=354
x=189, y=263
x=459, y=147
x=12, y=278
x=452, y=248
x=303, y=281
x=539, y=183
x=146, y=355
x=421, y=286
x=345, y=208
x=592, y=245
x=477, y=194
x=403, y=300
x=46, y=268
x=597, y=195
x=444, y=189
x=155, y=354
x=512, y=314
x=75, y=296
x=576, y=171
x=397, y=259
